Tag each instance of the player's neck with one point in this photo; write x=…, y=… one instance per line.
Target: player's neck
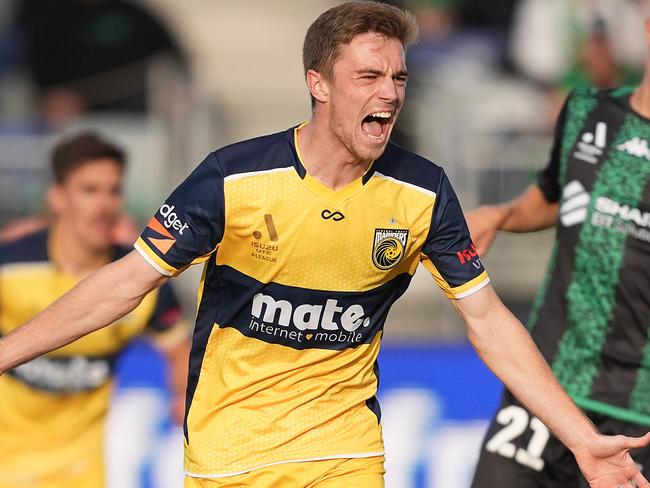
x=640, y=98
x=71, y=255
x=326, y=158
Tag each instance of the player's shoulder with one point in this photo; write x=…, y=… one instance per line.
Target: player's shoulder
x=618, y=93
x=583, y=91
x=597, y=95
x=410, y=168
x=617, y=98
x=31, y=248
x=262, y=153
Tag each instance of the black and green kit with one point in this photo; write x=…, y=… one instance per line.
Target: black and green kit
x=592, y=313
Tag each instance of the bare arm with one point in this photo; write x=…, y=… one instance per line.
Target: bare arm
x=529, y=212
x=99, y=300
x=507, y=349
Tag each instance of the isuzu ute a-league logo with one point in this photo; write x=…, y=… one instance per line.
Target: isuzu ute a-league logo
x=265, y=251
x=591, y=146
x=388, y=247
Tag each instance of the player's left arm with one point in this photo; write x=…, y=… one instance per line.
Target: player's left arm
x=507, y=349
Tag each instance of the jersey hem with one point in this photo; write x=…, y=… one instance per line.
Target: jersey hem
x=471, y=287
x=618, y=413
x=142, y=250
x=308, y=460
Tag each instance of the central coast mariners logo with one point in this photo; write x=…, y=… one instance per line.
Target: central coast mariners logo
x=389, y=247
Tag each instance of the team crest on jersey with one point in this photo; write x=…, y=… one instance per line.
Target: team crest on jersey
x=389, y=247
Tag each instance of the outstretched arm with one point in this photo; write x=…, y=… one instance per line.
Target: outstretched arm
x=529, y=212
x=507, y=349
x=106, y=295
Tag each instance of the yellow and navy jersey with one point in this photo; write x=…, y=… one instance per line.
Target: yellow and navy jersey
x=297, y=282
x=52, y=408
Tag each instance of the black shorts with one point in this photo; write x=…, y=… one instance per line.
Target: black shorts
x=520, y=452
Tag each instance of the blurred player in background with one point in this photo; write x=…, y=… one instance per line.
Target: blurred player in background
x=592, y=312
x=52, y=409
x=125, y=230
x=308, y=237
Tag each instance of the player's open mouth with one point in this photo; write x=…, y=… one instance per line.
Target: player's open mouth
x=376, y=124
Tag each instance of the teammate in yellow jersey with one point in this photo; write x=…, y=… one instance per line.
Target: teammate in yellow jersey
x=52, y=409
x=307, y=237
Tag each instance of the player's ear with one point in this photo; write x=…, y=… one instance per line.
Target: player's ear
x=55, y=200
x=318, y=86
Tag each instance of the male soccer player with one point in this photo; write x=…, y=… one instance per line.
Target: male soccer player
x=591, y=315
x=52, y=409
x=307, y=238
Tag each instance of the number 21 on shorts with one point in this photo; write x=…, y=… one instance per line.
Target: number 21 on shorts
x=515, y=421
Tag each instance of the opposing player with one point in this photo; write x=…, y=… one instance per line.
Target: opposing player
x=591, y=315
x=52, y=409
x=307, y=238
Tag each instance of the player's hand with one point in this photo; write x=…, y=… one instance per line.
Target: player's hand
x=483, y=225
x=607, y=463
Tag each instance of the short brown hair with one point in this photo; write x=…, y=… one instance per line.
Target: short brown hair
x=339, y=25
x=79, y=149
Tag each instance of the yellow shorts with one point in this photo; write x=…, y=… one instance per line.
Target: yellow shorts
x=83, y=475
x=334, y=473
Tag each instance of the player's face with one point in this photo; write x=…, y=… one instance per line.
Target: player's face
x=366, y=93
x=89, y=202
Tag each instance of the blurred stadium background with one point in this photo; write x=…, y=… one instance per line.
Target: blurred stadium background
x=172, y=80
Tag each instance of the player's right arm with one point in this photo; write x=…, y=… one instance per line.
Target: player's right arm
x=535, y=209
x=505, y=346
x=103, y=297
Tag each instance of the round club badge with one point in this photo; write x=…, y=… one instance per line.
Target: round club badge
x=389, y=247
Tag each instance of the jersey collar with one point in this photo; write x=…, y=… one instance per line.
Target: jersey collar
x=334, y=196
